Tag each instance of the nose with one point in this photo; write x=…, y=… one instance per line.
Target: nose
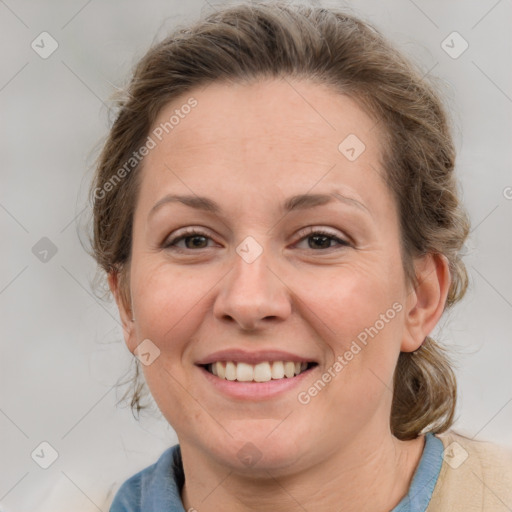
x=252, y=295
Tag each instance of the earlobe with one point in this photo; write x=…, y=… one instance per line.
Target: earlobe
x=125, y=312
x=426, y=301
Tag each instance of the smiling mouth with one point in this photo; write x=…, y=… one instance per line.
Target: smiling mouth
x=261, y=372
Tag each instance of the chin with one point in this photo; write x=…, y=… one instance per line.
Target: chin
x=257, y=453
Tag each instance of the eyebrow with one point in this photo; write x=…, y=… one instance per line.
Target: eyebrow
x=297, y=202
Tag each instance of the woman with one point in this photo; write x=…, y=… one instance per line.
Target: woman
x=277, y=213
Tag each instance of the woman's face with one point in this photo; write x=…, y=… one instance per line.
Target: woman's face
x=264, y=234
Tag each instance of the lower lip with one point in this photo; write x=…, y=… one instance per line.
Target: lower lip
x=254, y=390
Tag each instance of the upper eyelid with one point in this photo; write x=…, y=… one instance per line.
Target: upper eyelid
x=187, y=232
x=301, y=234
x=343, y=240
x=315, y=229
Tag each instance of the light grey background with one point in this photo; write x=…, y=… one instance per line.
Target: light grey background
x=61, y=347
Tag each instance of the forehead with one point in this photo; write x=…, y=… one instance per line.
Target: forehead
x=282, y=132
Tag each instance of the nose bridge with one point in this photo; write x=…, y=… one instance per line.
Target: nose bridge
x=251, y=292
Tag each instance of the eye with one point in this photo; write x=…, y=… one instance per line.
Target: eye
x=320, y=239
x=188, y=239
x=316, y=239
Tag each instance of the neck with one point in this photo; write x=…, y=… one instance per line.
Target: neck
x=373, y=478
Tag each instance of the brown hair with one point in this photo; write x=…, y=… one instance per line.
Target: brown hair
x=265, y=40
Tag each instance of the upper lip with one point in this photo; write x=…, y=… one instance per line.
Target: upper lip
x=244, y=356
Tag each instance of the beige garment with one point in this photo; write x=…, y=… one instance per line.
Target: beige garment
x=475, y=476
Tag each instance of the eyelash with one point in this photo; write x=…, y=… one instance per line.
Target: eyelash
x=189, y=233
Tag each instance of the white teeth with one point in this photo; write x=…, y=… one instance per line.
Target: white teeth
x=289, y=369
x=277, y=370
x=230, y=371
x=244, y=372
x=261, y=372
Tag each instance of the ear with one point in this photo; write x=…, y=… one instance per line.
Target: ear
x=425, y=302
x=125, y=310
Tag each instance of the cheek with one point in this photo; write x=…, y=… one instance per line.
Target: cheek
x=359, y=314
x=168, y=304
x=348, y=300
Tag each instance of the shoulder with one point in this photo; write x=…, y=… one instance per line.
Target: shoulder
x=475, y=475
x=481, y=457
x=155, y=488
